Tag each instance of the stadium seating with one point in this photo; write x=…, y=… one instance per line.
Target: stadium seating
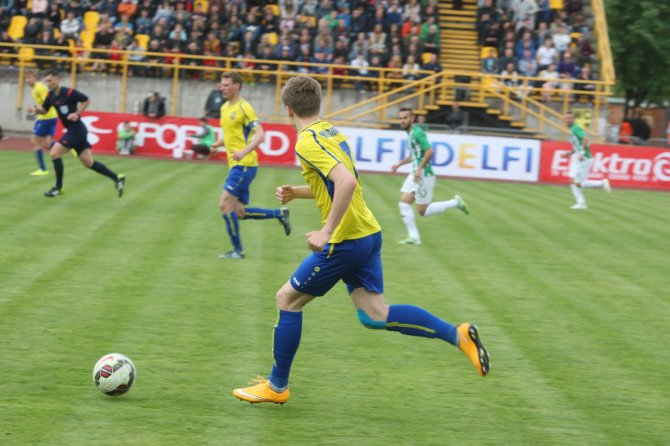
x=17, y=27
x=274, y=8
x=204, y=4
x=143, y=40
x=91, y=20
x=87, y=37
x=27, y=56
x=484, y=53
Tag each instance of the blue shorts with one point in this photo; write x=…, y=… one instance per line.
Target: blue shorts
x=45, y=127
x=76, y=138
x=357, y=262
x=238, y=182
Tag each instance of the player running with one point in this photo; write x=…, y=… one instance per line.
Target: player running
x=45, y=125
x=70, y=104
x=347, y=247
x=420, y=183
x=238, y=121
x=580, y=164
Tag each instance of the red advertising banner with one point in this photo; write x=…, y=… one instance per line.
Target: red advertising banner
x=627, y=166
x=172, y=137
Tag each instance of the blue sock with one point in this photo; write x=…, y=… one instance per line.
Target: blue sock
x=261, y=213
x=39, y=153
x=233, y=227
x=59, y=169
x=286, y=341
x=415, y=321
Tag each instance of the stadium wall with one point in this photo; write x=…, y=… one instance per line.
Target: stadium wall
x=460, y=156
x=105, y=93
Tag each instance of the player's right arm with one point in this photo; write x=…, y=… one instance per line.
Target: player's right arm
x=287, y=193
x=217, y=144
x=40, y=109
x=401, y=163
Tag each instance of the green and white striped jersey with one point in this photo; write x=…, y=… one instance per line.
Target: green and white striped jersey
x=577, y=140
x=418, y=145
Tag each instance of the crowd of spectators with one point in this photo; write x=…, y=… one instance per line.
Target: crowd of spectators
x=400, y=34
x=528, y=38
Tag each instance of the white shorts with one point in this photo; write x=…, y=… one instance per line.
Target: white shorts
x=579, y=170
x=423, y=191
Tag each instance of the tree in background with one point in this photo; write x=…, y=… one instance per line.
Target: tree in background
x=640, y=39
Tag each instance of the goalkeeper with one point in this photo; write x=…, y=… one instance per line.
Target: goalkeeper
x=205, y=139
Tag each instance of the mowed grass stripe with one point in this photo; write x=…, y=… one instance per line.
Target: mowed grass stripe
x=463, y=301
x=476, y=301
x=69, y=229
x=589, y=269
x=151, y=286
x=589, y=349
x=133, y=326
x=82, y=188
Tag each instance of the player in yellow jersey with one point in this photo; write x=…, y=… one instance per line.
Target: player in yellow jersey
x=45, y=125
x=347, y=247
x=242, y=134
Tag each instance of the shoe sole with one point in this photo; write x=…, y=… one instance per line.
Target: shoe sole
x=48, y=195
x=481, y=351
x=281, y=403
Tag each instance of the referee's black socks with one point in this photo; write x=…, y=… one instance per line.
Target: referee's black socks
x=103, y=170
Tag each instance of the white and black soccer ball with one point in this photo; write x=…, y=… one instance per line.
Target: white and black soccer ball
x=114, y=374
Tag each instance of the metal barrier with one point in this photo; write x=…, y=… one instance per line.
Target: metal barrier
x=429, y=92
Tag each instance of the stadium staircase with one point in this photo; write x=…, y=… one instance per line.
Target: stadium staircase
x=460, y=52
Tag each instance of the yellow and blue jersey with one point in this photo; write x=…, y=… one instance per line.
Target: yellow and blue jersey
x=40, y=92
x=238, y=121
x=321, y=147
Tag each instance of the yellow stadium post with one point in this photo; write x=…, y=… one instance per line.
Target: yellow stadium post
x=175, y=87
x=566, y=97
x=124, y=81
x=278, y=80
x=19, y=100
x=596, y=106
x=329, y=90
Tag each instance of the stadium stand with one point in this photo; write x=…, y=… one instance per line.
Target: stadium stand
x=395, y=34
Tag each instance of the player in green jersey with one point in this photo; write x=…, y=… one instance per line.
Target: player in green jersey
x=580, y=164
x=420, y=183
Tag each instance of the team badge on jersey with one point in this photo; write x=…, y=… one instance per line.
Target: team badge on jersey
x=232, y=116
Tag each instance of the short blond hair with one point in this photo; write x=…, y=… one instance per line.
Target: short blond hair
x=303, y=95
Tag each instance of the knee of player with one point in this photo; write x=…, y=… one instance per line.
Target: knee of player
x=368, y=322
x=422, y=211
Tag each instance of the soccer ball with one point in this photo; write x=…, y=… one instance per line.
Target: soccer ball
x=114, y=374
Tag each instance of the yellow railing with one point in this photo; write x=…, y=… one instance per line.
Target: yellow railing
x=439, y=90
x=81, y=59
x=431, y=91
x=604, y=49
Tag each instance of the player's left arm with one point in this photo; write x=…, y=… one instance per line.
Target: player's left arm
x=258, y=136
x=256, y=140
x=81, y=107
x=345, y=185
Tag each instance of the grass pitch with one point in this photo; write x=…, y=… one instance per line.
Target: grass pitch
x=574, y=308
